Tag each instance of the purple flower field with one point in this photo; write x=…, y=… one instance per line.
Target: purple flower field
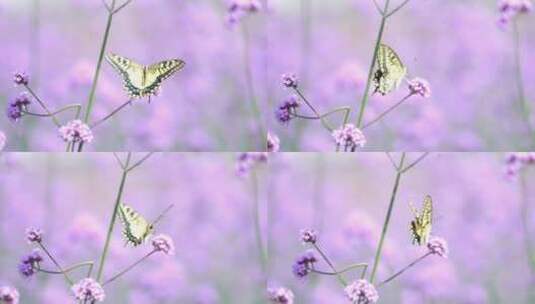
x=259, y=228
x=468, y=85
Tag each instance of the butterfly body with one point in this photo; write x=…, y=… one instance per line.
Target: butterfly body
x=141, y=81
x=390, y=71
x=136, y=229
x=421, y=225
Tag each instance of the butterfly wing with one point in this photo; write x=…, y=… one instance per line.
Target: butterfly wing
x=135, y=228
x=390, y=70
x=133, y=74
x=421, y=225
x=158, y=72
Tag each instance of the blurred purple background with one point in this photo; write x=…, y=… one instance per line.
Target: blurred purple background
x=344, y=197
x=456, y=45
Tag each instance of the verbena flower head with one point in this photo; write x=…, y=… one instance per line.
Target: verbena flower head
x=17, y=106
x=304, y=264
x=21, y=78
x=9, y=295
x=3, y=140
x=517, y=161
x=273, y=142
x=290, y=81
x=29, y=264
x=76, y=131
x=361, y=292
x=163, y=243
x=88, y=290
x=349, y=137
x=238, y=9
x=284, y=111
x=419, y=86
x=280, y=295
x=309, y=236
x=248, y=160
x=34, y=235
x=510, y=9
x=439, y=246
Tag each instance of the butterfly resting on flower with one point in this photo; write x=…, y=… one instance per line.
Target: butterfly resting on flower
x=139, y=80
x=389, y=72
x=136, y=229
x=421, y=225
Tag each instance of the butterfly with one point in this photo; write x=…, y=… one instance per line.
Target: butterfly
x=136, y=229
x=140, y=80
x=390, y=70
x=421, y=226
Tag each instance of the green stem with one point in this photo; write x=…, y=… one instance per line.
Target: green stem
x=397, y=274
x=364, y=100
x=255, y=109
x=331, y=265
x=43, y=105
x=115, y=111
x=68, y=269
x=127, y=269
x=67, y=278
x=96, y=76
x=348, y=268
x=525, y=220
x=387, y=219
x=52, y=114
x=262, y=257
x=386, y=112
x=526, y=109
x=113, y=218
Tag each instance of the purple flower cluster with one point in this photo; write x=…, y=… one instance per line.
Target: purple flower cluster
x=76, y=131
x=248, y=160
x=17, y=106
x=509, y=9
x=88, y=291
x=361, y=292
x=9, y=295
x=34, y=235
x=21, y=78
x=349, y=137
x=419, y=86
x=516, y=161
x=163, y=243
x=309, y=236
x=284, y=112
x=30, y=263
x=290, y=81
x=273, y=142
x=304, y=264
x=280, y=295
x=238, y=9
x=438, y=246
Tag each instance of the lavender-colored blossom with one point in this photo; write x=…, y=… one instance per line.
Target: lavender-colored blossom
x=304, y=264
x=517, y=161
x=163, y=243
x=238, y=9
x=280, y=295
x=309, y=236
x=9, y=295
x=273, y=142
x=88, y=290
x=361, y=292
x=284, y=111
x=439, y=246
x=29, y=264
x=21, y=78
x=34, y=235
x=290, y=81
x=419, y=86
x=248, y=160
x=17, y=106
x=349, y=137
x=76, y=131
x=510, y=9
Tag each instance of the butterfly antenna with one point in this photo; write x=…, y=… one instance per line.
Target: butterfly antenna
x=163, y=214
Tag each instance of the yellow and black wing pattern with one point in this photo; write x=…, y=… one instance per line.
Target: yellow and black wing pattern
x=135, y=228
x=422, y=223
x=389, y=72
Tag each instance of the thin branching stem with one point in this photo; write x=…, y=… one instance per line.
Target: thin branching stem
x=127, y=269
x=331, y=264
x=68, y=269
x=313, y=109
x=43, y=105
x=139, y=162
x=397, y=9
x=386, y=112
x=397, y=274
x=392, y=161
x=379, y=9
x=344, y=270
x=67, y=278
x=115, y=111
x=113, y=218
x=52, y=114
x=416, y=162
x=122, y=6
